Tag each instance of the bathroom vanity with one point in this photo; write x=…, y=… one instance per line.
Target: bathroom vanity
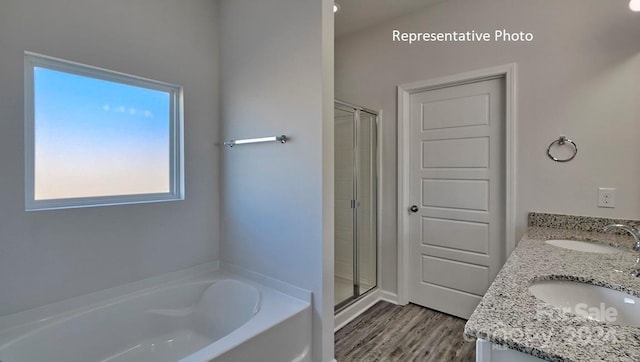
x=562, y=301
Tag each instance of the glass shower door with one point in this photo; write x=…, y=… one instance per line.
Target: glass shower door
x=355, y=203
x=344, y=190
x=366, y=196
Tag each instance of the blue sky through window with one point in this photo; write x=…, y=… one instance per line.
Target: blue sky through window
x=99, y=138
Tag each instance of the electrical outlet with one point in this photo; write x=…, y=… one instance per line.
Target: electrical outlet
x=606, y=197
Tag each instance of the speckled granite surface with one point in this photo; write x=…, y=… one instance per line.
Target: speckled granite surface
x=574, y=222
x=509, y=315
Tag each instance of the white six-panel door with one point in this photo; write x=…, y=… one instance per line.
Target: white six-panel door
x=456, y=180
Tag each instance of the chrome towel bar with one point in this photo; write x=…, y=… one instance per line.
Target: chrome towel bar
x=281, y=139
x=561, y=142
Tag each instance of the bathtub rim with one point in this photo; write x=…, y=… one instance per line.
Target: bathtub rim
x=14, y=325
x=276, y=308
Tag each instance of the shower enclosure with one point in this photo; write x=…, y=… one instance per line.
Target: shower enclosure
x=356, y=194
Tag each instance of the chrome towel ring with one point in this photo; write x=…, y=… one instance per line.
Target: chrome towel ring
x=561, y=142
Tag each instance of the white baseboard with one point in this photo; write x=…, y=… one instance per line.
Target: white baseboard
x=351, y=312
x=389, y=297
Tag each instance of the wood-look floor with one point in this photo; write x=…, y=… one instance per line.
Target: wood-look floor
x=388, y=332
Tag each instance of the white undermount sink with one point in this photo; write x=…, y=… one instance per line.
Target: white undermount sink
x=589, y=301
x=585, y=246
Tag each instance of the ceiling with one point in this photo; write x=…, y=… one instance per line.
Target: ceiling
x=355, y=15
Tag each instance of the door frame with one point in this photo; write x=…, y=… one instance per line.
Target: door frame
x=508, y=71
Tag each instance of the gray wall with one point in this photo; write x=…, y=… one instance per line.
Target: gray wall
x=579, y=77
x=46, y=256
x=274, y=75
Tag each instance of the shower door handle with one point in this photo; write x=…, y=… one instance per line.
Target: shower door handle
x=414, y=208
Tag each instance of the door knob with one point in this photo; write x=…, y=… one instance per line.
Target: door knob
x=414, y=208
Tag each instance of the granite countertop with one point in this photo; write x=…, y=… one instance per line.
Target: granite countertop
x=509, y=315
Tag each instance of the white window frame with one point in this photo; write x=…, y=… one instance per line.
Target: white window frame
x=176, y=130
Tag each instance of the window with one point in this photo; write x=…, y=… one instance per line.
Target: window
x=95, y=137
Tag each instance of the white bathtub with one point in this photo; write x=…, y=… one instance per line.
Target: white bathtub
x=217, y=316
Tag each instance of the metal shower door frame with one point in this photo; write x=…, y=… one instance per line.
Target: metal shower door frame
x=355, y=203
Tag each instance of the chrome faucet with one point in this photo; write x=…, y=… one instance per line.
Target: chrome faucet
x=631, y=230
x=636, y=237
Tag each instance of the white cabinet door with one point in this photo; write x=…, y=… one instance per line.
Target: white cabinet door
x=489, y=352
